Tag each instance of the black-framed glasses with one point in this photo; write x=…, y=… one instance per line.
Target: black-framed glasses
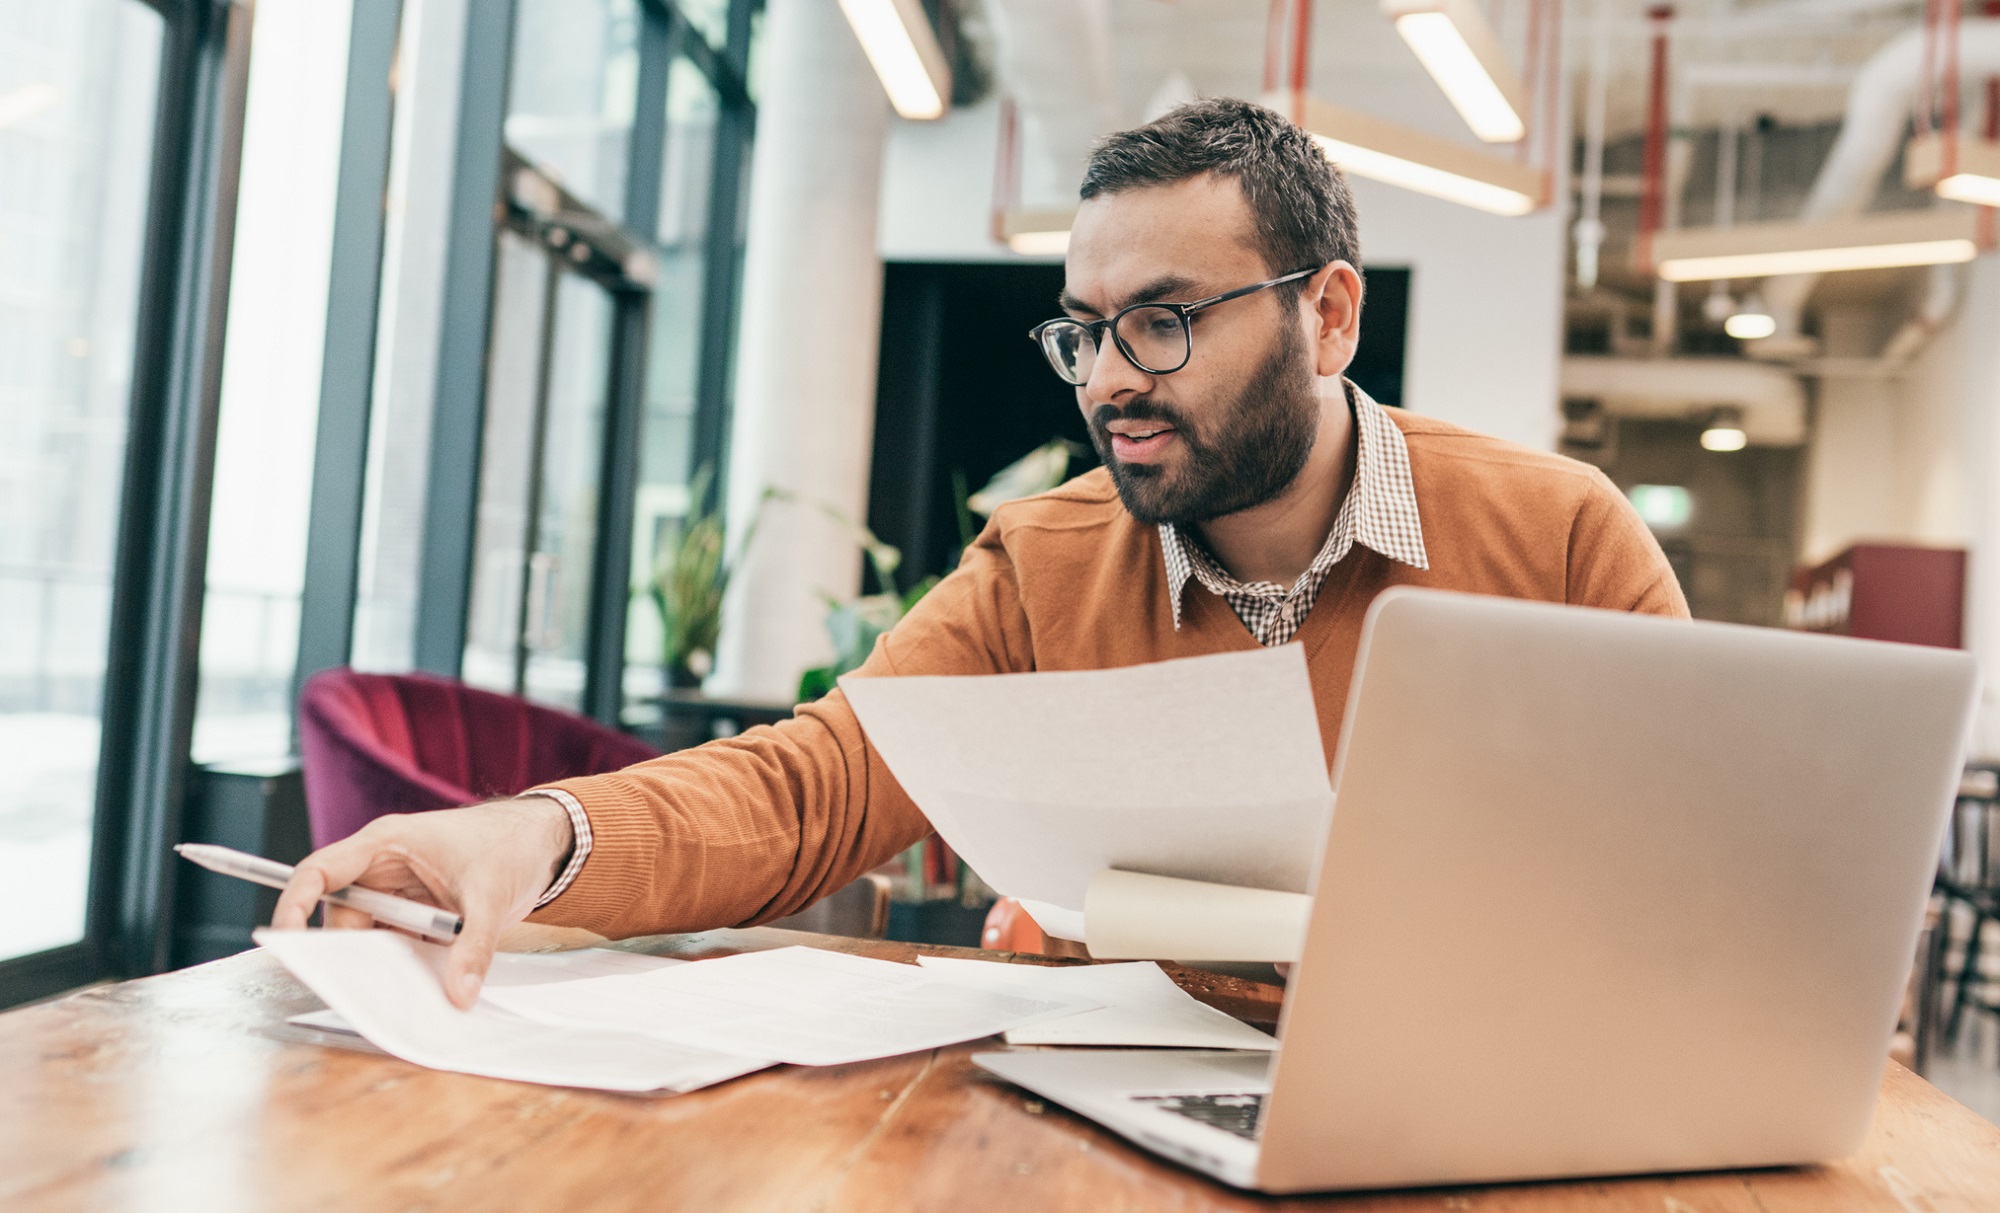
x=1155, y=337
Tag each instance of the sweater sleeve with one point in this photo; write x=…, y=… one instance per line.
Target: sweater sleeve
x=761, y=825
x=1614, y=561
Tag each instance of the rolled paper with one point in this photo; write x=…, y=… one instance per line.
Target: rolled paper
x=1135, y=916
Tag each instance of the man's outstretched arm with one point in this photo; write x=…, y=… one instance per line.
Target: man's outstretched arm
x=737, y=831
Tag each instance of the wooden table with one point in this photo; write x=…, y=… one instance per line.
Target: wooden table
x=165, y=1094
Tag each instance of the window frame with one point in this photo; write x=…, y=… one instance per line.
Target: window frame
x=153, y=641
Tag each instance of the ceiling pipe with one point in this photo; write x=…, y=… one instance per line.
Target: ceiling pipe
x=1589, y=230
x=1878, y=110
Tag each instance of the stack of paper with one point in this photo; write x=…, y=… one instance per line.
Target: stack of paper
x=642, y=1024
x=1141, y=1006
x=801, y=1005
x=386, y=986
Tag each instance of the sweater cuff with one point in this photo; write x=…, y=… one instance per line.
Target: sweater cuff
x=612, y=870
x=579, y=825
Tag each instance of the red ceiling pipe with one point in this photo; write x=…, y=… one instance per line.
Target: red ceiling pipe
x=1274, y=46
x=1990, y=128
x=1653, y=189
x=1006, y=168
x=1301, y=56
x=1950, y=86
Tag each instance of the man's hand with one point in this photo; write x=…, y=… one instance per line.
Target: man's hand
x=490, y=863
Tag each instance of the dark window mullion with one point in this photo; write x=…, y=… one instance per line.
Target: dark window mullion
x=660, y=38
x=451, y=495
x=340, y=449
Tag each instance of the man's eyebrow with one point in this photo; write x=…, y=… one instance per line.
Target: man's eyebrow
x=1164, y=287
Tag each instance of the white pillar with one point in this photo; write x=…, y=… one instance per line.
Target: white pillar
x=1851, y=490
x=1979, y=383
x=804, y=417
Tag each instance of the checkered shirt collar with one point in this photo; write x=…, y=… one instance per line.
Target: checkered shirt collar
x=1379, y=513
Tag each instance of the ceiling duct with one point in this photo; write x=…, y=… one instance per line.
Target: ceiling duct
x=1770, y=400
x=1878, y=114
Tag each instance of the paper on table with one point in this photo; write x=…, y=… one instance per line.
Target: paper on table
x=1206, y=768
x=525, y=969
x=1142, y=1006
x=801, y=1005
x=386, y=987
x=1129, y=915
x=540, y=968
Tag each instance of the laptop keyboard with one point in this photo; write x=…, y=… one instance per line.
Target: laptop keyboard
x=1231, y=1113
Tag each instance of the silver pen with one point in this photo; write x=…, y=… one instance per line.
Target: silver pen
x=385, y=908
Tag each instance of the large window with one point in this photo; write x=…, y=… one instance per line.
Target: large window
x=78, y=87
x=271, y=379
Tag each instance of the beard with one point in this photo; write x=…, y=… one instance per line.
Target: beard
x=1256, y=448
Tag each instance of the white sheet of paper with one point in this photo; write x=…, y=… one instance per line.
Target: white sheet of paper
x=801, y=1005
x=1205, y=768
x=386, y=987
x=1142, y=1006
x=525, y=969
x=540, y=968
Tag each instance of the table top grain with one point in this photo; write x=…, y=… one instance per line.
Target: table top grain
x=169, y=1092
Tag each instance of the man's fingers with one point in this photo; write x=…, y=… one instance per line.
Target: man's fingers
x=347, y=918
x=472, y=952
x=302, y=893
x=329, y=868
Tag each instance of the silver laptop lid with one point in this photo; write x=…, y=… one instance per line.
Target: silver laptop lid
x=1604, y=893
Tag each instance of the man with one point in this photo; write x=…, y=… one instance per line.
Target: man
x=1250, y=495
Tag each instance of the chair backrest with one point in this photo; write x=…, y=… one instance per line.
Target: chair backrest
x=374, y=744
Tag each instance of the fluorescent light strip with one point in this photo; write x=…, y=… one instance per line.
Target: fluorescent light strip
x=1818, y=261
x=1446, y=55
x=1425, y=179
x=1976, y=188
x=882, y=27
x=27, y=101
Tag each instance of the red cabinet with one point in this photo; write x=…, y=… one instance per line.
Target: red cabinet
x=1884, y=591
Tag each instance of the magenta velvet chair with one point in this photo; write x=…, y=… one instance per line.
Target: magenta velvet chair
x=374, y=744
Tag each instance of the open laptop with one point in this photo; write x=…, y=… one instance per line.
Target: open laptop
x=1601, y=894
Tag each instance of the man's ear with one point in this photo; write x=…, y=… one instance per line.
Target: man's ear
x=1333, y=297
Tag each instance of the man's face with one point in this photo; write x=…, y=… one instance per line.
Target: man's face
x=1232, y=428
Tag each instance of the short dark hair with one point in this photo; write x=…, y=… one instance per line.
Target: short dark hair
x=1303, y=209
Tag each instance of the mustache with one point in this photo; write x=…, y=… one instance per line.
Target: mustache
x=1142, y=409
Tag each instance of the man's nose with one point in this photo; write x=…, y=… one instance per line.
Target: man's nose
x=1113, y=376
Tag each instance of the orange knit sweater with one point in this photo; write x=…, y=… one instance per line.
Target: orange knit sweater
x=761, y=825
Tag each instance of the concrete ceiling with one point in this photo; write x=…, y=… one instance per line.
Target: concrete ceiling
x=1733, y=58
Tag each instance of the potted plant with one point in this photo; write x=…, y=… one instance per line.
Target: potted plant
x=691, y=572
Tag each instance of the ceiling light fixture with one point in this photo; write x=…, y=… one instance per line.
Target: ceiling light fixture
x=1037, y=233
x=1751, y=320
x=1725, y=431
x=1936, y=236
x=1396, y=155
x=1453, y=41
x=1974, y=164
x=896, y=36
x=1750, y=326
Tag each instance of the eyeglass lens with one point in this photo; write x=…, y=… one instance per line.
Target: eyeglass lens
x=1155, y=339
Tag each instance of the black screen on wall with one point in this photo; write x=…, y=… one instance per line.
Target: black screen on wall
x=960, y=387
